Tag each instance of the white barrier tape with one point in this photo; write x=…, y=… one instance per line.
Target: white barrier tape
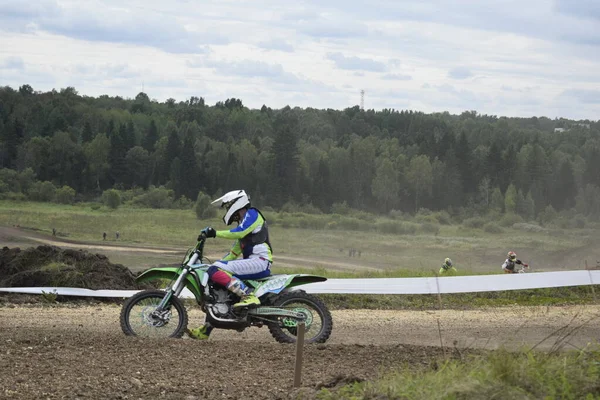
x=450, y=284
x=456, y=284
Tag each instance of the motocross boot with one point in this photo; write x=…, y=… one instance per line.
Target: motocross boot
x=200, y=333
x=247, y=298
x=247, y=301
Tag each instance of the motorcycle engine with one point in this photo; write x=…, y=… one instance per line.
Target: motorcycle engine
x=222, y=303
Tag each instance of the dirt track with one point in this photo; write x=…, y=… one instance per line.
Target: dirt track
x=80, y=352
x=19, y=237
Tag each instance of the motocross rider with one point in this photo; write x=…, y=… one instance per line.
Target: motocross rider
x=447, y=267
x=251, y=242
x=511, y=261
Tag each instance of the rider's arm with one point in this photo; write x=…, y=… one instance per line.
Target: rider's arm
x=234, y=253
x=251, y=221
x=518, y=262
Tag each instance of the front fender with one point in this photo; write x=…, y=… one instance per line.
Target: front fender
x=170, y=273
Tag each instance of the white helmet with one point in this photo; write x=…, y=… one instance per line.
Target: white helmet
x=234, y=201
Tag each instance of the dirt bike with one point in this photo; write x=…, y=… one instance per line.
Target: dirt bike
x=161, y=313
x=523, y=269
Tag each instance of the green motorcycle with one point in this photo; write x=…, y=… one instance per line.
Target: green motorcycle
x=161, y=313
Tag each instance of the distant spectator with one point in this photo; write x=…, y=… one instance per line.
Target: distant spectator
x=104, y=235
x=118, y=235
x=359, y=253
x=53, y=231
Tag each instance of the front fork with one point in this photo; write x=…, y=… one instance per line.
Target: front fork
x=177, y=287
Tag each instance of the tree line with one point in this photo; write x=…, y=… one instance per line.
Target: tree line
x=376, y=161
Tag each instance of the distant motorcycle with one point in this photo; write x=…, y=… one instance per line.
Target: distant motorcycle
x=160, y=313
x=523, y=269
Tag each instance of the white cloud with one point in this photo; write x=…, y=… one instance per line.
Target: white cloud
x=277, y=44
x=12, y=63
x=356, y=63
x=396, y=77
x=505, y=57
x=460, y=73
x=585, y=96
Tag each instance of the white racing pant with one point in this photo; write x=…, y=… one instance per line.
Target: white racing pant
x=248, y=266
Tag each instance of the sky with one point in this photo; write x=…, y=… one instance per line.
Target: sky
x=498, y=57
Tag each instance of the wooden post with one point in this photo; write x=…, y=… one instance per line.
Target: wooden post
x=591, y=281
x=439, y=295
x=441, y=341
x=299, y=354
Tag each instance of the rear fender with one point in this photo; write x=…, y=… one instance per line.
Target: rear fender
x=172, y=273
x=276, y=283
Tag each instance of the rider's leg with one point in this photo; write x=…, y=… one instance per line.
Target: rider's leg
x=225, y=278
x=246, y=266
x=202, y=332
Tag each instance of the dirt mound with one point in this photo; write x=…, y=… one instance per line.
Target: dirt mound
x=53, y=266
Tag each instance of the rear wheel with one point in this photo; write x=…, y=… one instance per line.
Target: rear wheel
x=317, y=319
x=139, y=316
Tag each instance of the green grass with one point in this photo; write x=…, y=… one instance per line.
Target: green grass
x=492, y=375
x=472, y=250
x=396, y=255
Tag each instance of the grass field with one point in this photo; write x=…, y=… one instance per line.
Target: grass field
x=420, y=253
x=491, y=375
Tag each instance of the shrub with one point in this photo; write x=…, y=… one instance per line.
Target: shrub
x=290, y=207
x=349, y=223
x=340, y=208
x=548, y=215
x=129, y=195
x=578, y=222
x=443, y=217
x=65, y=195
x=42, y=191
x=203, y=208
x=155, y=198
x=111, y=198
x=475, y=222
x=492, y=227
x=310, y=209
x=428, y=227
x=396, y=227
x=522, y=226
x=311, y=222
x=430, y=219
x=14, y=196
x=362, y=215
x=183, y=203
x=510, y=219
x=396, y=214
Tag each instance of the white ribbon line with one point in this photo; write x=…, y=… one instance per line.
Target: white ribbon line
x=450, y=284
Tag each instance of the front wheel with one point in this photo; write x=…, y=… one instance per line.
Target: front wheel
x=317, y=319
x=140, y=317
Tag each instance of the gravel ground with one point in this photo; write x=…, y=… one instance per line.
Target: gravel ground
x=80, y=352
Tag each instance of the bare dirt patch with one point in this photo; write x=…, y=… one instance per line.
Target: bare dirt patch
x=80, y=352
x=51, y=266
